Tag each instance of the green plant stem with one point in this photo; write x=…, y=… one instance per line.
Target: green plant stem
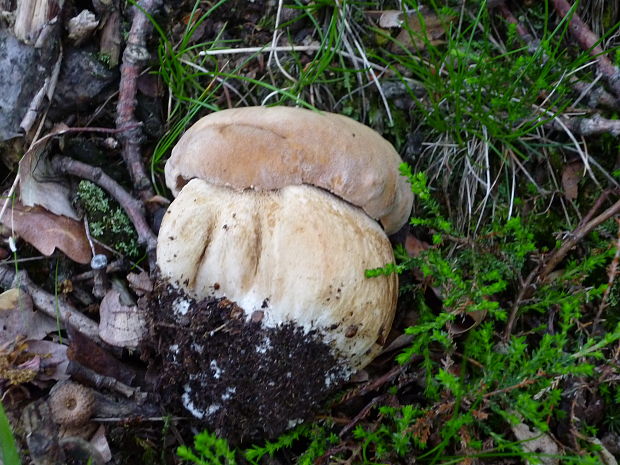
x=8, y=449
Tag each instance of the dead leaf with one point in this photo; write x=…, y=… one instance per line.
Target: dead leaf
x=534, y=441
x=571, y=175
x=80, y=27
x=140, y=283
x=401, y=341
x=53, y=356
x=18, y=318
x=360, y=376
x=465, y=321
x=419, y=27
x=37, y=185
x=151, y=85
x=100, y=443
x=47, y=231
x=120, y=325
x=389, y=18
x=416, y=37
x=87, y=353
x=415, y=246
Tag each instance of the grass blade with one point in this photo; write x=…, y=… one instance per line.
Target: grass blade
x=8, y=448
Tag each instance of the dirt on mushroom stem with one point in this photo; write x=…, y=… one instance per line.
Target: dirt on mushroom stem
x=243, y=380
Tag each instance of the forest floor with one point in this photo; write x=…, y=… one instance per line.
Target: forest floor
x=505, y=347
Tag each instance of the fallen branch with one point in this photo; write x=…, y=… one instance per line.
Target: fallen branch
x=590, y=42
x=612, y=274
x=587, y=126
x=49, y=304
x=597, y=95
x=130, y=205
x=134, y=58
x=577, y=236
x=98, y=381
x=540, y=274
x=362, y=414
x=525, y=35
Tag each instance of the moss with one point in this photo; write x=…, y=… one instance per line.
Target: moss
x=107, y=221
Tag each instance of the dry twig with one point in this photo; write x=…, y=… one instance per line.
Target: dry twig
x=587, y=126
x=130, y=205
x=589, y=41
x=577, y=236
x=597, y=95
x=99, y=381
x=134, y=58
x=541, y=273
x=49, y=304
x=612, y=275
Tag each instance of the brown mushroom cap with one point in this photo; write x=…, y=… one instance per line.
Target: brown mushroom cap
x=270, y=148
x=72, y=404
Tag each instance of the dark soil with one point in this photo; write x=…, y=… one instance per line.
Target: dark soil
x=239, y=378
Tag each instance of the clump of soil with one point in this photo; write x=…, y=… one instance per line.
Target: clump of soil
x=239, y=378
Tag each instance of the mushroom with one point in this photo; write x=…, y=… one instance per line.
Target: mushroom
x=273, y=226
x=71, y=404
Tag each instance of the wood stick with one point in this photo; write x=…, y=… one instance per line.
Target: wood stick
x=130, y=205
x=134, y=58
x=49, y=304
x=540, y=274
x=589, y=41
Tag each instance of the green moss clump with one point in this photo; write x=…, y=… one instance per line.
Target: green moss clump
x=107, y=221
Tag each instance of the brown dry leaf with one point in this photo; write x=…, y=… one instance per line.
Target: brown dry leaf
x=571, y=175
x=360, y=376
x=401, y=341
x=413, y=37
x=150, y=85
x=18, y=318
x=86, y=352
x=53, y=356
x=36, y=185
x=120, y=325
x=47, y=231
x=419, y=28
x=465, y=321
x=140, y=283
x=415, y=246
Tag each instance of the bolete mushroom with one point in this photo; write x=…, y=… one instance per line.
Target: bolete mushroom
x=263, y=254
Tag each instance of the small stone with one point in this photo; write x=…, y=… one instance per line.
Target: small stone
x=83, y=78
x=81, y=26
